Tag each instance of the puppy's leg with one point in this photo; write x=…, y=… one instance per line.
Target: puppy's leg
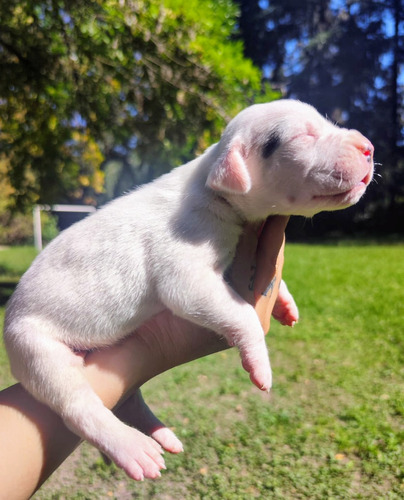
x=53, y=374
x=285, y=309
x=211, y=303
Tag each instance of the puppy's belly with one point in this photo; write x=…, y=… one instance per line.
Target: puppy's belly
x=109, y=326
x=89, y=318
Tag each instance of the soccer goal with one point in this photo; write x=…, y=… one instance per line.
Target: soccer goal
x=53, y=208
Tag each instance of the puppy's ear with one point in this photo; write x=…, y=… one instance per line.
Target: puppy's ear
x=229, y=174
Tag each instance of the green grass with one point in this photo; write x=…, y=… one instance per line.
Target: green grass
x=15, y=260
x=333, y=424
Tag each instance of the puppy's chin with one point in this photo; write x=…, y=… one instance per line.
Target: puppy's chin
x=342, y=197
x=341, y=200
x=327, y=202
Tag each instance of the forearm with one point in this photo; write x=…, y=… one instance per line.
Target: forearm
x=34, y=440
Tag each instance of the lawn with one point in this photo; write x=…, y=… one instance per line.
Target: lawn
x=333, y=424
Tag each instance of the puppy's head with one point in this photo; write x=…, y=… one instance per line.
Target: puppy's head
x=285, y=158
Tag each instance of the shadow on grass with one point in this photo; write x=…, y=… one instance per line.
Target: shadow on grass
x=6, y=290
x=343, y=241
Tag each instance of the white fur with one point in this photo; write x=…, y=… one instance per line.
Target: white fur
x=167, y=245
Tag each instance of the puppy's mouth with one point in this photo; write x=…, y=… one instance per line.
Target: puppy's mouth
x=347, y=196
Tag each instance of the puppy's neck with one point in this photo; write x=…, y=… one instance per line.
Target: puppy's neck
x=224, y=210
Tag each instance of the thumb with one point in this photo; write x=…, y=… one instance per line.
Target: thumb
x=269, y=264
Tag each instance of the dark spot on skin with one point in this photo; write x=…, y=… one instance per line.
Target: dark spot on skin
x=270, y=145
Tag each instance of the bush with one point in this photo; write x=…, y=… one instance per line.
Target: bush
x=49, y=227
x=17, y=229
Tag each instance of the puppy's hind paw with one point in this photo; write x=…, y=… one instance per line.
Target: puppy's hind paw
x=138, y=455
x=136, y=413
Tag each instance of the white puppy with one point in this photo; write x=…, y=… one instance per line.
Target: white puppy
x=167, y=245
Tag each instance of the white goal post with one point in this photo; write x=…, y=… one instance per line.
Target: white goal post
x=53, y=208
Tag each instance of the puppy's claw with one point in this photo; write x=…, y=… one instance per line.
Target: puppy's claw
x=263, y=383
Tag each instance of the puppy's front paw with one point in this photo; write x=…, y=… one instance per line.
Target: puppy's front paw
x=285, y=309
x=138, y=455
x=258, y=366
x=261, y=378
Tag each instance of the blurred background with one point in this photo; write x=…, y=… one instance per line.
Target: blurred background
x=97, y=97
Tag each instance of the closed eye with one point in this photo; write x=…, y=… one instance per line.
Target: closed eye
x=303, y=135
x=309, y=131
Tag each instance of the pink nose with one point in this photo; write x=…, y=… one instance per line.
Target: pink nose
x=363, y=144
x=367, y=148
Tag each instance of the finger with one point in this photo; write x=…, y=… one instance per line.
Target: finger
x=269, y=263
x=256, y=261
x=269, y=253
x=242, y=272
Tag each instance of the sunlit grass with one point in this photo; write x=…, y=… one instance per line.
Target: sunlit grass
x=15, y=260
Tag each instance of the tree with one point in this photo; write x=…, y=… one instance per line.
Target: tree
x=85, y=83
x=347, y=59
